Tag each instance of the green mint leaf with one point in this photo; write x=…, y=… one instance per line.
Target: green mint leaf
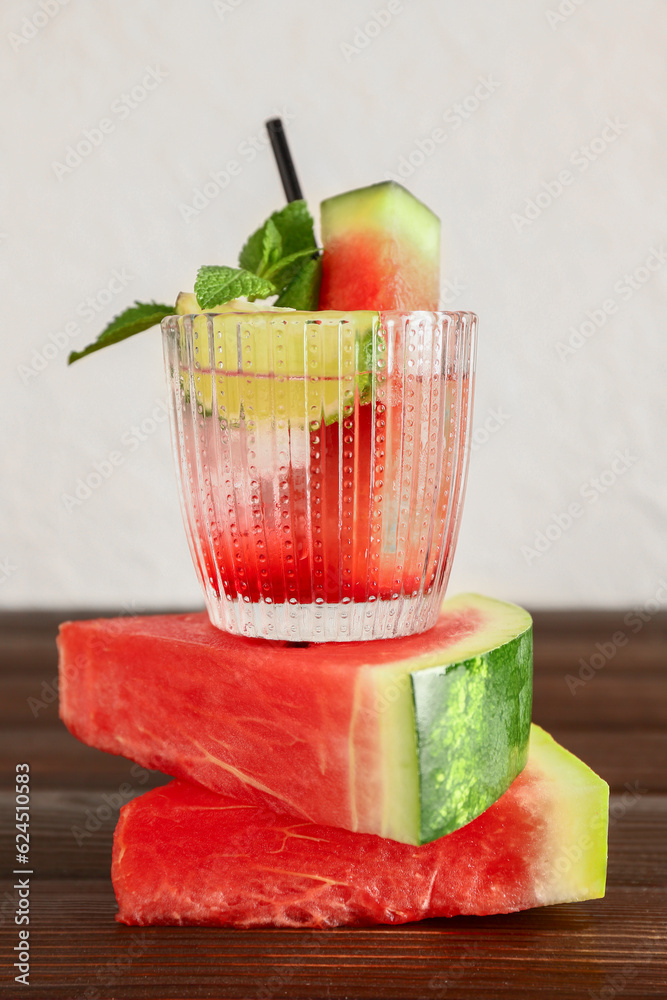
x=304, y=289
x=286, y=268
x=272, y=248
x=250, y=258
x=141, y=316
x=217, y=285
x=295, y=226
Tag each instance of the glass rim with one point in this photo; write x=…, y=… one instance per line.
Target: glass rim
x=326, y=313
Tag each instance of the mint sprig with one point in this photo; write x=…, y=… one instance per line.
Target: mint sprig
x=280, y=258
x=295, y=227
x=284, y=250
x=141, y=316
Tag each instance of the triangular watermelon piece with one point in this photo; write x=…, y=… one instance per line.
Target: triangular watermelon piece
x=184, y=855
x=408, y=738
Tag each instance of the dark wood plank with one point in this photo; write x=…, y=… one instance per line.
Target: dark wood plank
x=541, y=953
x=590, y=623
x=633, y=757
x=594, y=625
x=29, y=696
x=37, y=622
x=58, y=760
x=617, y=701
x=564, y=655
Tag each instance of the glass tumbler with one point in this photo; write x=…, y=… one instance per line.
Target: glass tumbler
x=321, y=460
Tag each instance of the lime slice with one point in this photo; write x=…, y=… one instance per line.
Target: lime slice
x=302, y=367
x=187, y=305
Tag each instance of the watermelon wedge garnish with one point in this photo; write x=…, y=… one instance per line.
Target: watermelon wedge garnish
x=381, y=250
x=408, y=738
x=184, y=855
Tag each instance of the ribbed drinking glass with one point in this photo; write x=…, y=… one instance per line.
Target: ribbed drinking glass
x=321, y=460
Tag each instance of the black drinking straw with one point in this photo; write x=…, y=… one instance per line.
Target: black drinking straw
x=283, y=157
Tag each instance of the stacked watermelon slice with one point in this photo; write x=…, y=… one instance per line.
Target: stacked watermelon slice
x=338, y=783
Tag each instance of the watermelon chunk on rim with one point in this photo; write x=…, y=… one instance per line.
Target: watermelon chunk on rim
x=381, y=251
x=184, y=855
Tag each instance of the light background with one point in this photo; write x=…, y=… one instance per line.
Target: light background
x=547, y=422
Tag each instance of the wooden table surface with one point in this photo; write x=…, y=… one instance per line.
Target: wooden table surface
x=616, y=947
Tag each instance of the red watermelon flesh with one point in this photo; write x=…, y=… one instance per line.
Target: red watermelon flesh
x=184, y=855
x=381, y=251
x=382, y=736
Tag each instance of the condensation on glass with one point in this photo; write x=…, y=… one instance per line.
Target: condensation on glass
x=321, y=460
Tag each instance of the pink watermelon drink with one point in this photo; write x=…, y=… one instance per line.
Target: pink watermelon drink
x=322, y=454
x=322, y=460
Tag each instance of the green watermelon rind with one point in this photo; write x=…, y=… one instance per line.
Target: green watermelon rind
x=574, y=864
x=472, y=721
x=371, y=207
x=414, y=701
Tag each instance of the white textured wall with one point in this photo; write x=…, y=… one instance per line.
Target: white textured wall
x=553, y=83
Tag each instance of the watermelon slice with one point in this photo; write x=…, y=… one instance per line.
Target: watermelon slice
x=381, y=251
x=408, y=738
x=183, y=855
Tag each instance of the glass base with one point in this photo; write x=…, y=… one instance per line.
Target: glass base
x=327, y=622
